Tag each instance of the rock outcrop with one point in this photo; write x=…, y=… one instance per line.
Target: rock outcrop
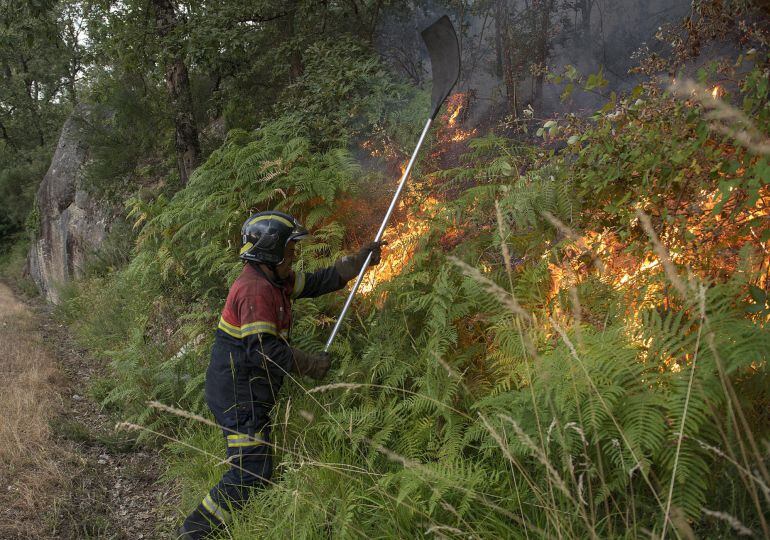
x=71, y=224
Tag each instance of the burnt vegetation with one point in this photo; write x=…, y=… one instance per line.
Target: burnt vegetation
x=568, y=336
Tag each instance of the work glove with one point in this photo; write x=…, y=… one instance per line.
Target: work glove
x=349, y=266
x=314, y=365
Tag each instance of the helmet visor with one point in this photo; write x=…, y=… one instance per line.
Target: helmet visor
x=299, y=232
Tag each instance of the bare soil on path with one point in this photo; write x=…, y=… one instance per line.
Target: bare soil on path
x=64, y=470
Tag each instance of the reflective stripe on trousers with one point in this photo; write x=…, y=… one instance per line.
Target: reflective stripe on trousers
x=251, y=466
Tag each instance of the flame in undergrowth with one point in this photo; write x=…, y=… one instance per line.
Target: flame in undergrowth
x=453, y=115
x=455, y=104
x=717, y=92
x=707, y=242
x=381, y=149
x=404, y=236
x=462, y=135
x=403, y=239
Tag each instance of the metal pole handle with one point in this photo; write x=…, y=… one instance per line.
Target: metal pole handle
x=379, y=235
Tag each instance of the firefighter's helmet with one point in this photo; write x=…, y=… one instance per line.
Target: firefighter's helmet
x=265, y=236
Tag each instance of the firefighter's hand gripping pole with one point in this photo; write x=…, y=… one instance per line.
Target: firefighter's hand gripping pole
x=444, y=51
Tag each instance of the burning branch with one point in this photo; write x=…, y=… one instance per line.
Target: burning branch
x=724, y=118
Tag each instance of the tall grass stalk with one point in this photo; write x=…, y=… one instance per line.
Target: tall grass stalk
x=702, y=310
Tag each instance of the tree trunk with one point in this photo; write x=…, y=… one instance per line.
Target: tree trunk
x=542, y=45
x=500, y=26
x=504, y=54
x=295, y=57
x=586, y=6
x=188, y=151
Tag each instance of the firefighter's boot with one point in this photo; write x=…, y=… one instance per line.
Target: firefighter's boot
x=199, y=525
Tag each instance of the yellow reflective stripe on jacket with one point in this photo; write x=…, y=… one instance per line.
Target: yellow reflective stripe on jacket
x=257, y=327
x=272, y=216
x=228, y=328
x=214, y=509
x=299, y=285
x=237, y=440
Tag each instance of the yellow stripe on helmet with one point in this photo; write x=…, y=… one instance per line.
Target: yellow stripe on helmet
x=272, y=216
x=247, y=246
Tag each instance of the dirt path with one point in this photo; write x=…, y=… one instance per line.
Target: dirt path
x=64, y=471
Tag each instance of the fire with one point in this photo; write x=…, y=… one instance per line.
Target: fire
x=706, y=245
x=717, y=92
x=380, y=148
x=404, y=236
x=453, y=116
x=462, y=135
x=455, y=104
x=403, y=239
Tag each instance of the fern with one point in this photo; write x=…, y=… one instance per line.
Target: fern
x=458, y=418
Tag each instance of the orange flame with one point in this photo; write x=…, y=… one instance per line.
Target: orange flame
x=455, y=105
x=402, y=239
x=710, y=248
x=453, y=116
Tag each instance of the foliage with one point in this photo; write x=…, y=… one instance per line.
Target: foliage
x=535, y=370
x=12, y=270
x=34, y=55
x=572, y=412
x=18, y=183
x=127, y=143
x=342, y=91
x=35, y=97
x=185, y=258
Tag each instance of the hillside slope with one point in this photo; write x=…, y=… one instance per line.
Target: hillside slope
x=582, y=338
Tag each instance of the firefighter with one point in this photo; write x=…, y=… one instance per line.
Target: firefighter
x=252, y=355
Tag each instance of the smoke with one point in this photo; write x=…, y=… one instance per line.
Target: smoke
x=589, y=35
x=616, y=30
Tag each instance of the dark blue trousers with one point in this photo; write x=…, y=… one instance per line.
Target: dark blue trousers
x=251, y=467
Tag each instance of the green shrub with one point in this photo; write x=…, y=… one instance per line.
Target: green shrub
x=12, y=268
x=491, y=394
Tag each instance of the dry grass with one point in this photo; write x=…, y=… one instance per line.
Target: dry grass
x=29, y=399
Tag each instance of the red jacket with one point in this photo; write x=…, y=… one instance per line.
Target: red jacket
x=256, y=305
x=251, y=352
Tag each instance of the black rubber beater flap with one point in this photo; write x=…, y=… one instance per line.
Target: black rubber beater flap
x=444, y=51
